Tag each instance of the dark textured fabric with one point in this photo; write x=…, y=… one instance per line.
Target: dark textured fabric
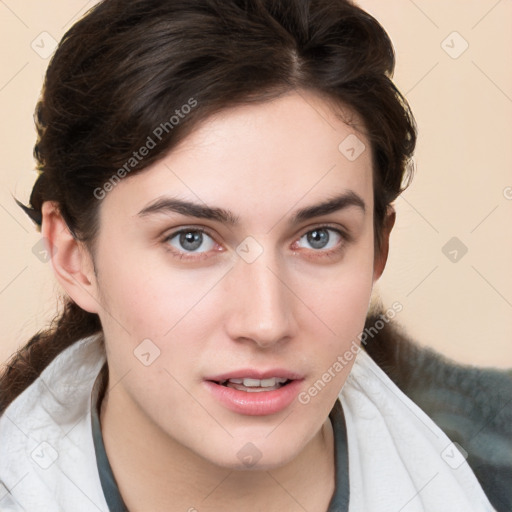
x=339, y=501
x=474, y=408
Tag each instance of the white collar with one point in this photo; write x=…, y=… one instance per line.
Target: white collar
x=399, y=459
x=46, y=451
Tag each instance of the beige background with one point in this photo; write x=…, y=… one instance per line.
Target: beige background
x=463, y=184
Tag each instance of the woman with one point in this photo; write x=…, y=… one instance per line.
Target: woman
x=216, y=186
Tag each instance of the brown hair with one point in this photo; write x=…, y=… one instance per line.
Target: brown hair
x=126, y=68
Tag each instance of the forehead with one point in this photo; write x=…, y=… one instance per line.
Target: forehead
x=260, y=158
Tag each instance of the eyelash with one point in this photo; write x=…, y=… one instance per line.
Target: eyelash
x=198, y=256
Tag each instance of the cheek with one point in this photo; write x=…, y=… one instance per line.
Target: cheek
x=341, y=294
x=149, y=297
x=349, y=299
x=161, y=317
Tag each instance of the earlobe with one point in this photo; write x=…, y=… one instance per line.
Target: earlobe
x=71, y=261
x=381, y=256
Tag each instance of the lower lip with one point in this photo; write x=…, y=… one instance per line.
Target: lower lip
x=259, y=403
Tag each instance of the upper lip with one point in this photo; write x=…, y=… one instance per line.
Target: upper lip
x=252, y=373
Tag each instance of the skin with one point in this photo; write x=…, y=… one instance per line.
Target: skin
x=296, y=306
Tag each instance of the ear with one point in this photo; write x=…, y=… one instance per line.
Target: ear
x=71, y=261
x=381, y=256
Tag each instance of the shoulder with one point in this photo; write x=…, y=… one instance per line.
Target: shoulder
x=472, y=405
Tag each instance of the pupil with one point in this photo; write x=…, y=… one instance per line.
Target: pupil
x=318, y=238
x=192, y=240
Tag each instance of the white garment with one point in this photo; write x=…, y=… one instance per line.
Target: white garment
x=399, y=460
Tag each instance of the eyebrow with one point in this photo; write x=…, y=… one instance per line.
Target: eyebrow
x=165, y=205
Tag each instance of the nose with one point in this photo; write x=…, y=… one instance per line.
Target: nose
x=261, y=304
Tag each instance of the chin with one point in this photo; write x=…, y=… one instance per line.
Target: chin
x=256, y=452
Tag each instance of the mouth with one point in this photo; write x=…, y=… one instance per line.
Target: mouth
x=255, y=394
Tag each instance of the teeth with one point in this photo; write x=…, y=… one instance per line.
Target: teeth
x=257, y=383
x=258, y=390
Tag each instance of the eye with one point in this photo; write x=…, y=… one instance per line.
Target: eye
x=321, y=239
x=191, y=240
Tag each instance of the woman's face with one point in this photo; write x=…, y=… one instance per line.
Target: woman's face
x=246, y=253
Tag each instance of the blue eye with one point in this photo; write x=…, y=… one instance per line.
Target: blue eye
x=321, y=238
x=191, y=240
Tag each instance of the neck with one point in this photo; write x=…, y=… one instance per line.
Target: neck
x=153, y=470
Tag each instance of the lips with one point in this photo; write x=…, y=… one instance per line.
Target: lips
x=255, y=393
